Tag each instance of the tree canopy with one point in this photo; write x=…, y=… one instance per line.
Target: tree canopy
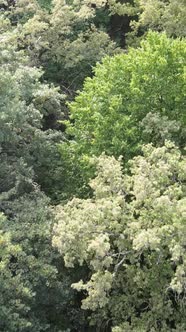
x=164, y=15
x=134, y=98
x=93, y=169
x=131, y=235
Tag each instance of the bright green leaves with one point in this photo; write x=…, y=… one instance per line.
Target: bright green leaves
x=108, y=112
x=134, y=98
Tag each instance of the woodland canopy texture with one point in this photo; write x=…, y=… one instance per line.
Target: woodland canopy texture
x=93, y=166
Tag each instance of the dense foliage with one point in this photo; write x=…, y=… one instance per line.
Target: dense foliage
x=131, y=235
x=164, y=15
x=133, y=98
x=33, y=295
x=114, y=258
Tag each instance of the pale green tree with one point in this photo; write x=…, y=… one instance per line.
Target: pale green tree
x=33, y=292
x=15, y=295
x=131, y=234
x=157, y=15
x=163, y=15
x=67, y=40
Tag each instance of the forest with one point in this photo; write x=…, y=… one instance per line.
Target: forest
x=93, y=166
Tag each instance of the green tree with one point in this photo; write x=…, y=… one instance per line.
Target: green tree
x=14, y=293
x=35, y=295
x=131, y=234
x=133, y=98
x=157, y=15
x=29, y=112
x=163, y=15
x=69, y=38
x=67, y=41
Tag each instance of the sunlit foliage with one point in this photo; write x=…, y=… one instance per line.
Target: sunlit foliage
x=131, y=234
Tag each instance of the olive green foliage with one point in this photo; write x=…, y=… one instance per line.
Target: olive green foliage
x=39, y=297
x=158, y=15
x=131, y=234
x=133, y=98
x=45, y=4
x=13, y=291
x=26, y=106
x=67, y=40
x=164, y=15
x=121, y=244
x=34, y=293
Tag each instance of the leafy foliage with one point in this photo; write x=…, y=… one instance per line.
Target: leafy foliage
x=34, y=293
x=13, y=291
x=133, y=98
x=131, y=235
x=67, y=40
x=27, y=105
x=157, y=15
x=164, y=15
x=122, y=248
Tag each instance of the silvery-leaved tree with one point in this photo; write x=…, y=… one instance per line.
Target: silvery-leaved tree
x=33, y=293
x=131, y=235
x=67, y=40
x=163, y=15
